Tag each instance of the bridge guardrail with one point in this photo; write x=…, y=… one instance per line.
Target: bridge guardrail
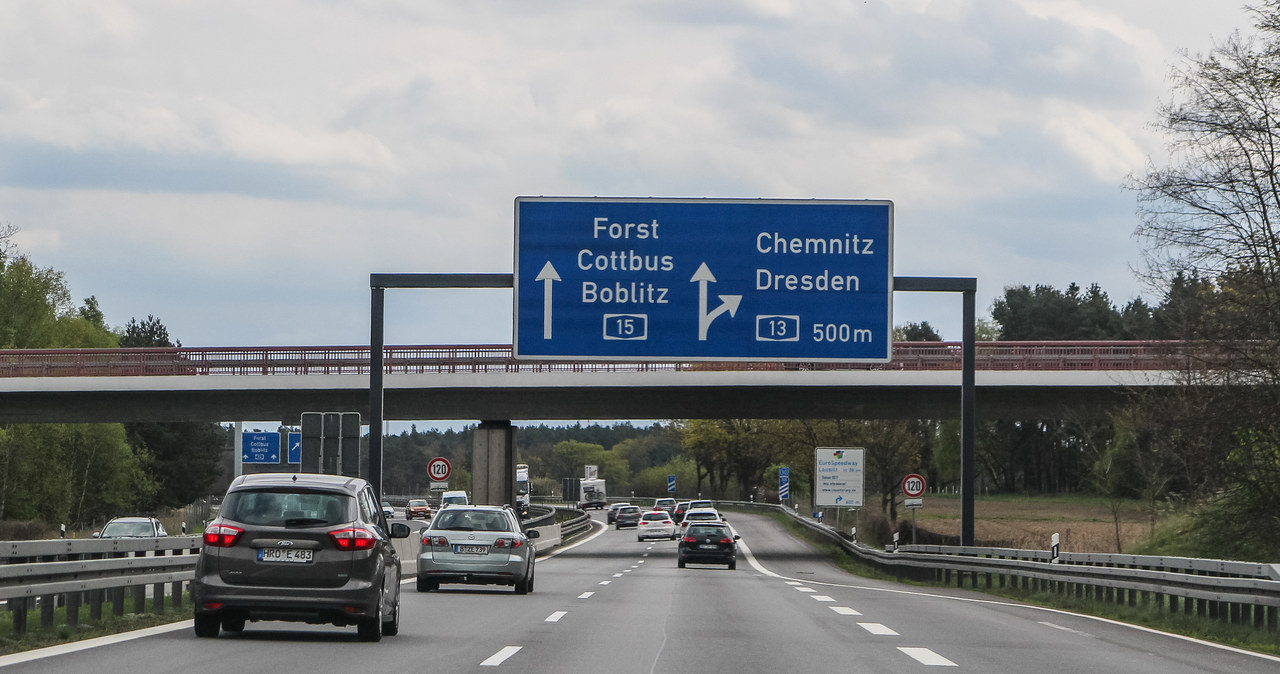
x=1235, y=592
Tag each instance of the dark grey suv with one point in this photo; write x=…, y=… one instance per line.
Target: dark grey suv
x=299, y=547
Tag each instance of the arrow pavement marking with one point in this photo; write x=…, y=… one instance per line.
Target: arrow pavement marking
x=728, y=303
x=548, y=275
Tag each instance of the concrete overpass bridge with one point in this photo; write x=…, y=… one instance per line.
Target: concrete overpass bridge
x=1013, y=380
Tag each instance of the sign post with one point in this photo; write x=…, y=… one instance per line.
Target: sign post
x=704, y=279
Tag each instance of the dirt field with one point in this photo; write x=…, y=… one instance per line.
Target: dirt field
x=1083, y=524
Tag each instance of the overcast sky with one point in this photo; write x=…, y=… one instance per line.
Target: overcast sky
x=238, y=169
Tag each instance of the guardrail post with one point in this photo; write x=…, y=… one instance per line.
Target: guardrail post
x=47, y=604
x=73, y=608
x=18, y=607
x=157, y=592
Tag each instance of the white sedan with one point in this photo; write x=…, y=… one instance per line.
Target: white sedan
x=656, y=524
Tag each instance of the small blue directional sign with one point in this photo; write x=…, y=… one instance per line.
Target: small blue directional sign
x=260, y=447
x=703, y=279
x=784, y=483
x=671, y=484
x=295, y=447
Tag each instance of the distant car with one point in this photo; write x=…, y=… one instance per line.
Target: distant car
x=417, y=508
x=708, y=543
x=132, y=527
x=678, y=514
x=387, y=511
x=627, y=516
x=700, y=515
x=700, y=504
x=611, y=514
x=476, y=545
x=299, y=547
x=656, y=524
x=456, y=497
x=667, y=504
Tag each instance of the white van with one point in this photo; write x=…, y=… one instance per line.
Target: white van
x=453, y=498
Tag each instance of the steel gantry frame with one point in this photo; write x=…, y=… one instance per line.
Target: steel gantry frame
x=968, y=287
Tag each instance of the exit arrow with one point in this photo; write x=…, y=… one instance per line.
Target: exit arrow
x=728, y=303
x=548, y=275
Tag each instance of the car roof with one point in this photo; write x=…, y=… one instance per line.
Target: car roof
x=304, y=480
x=132, y=518
x=629, y=506
x=702, y=510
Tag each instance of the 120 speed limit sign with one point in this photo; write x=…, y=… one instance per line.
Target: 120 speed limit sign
x=439, y=469
x=913, y=486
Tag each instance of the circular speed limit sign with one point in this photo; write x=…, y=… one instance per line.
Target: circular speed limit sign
x=438, y=469
x=913, y=486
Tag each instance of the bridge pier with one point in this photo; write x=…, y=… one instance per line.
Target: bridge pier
x=493, y=459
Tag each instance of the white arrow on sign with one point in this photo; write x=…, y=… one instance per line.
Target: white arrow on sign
x=548, y=275
x=728, y=303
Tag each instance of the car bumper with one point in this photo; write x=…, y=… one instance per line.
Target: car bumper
x=707, y=556
x=472, y=573
x=341, y=605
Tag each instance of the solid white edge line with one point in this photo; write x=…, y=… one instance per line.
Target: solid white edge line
x=751, y=559
x=500, y=657
x=63, y=649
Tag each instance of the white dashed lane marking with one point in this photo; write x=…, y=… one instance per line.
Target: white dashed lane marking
x=585, y=595
x=844, y=610
x=555, y=617
x=927, y=657
x=500, y=657
x=878, y=629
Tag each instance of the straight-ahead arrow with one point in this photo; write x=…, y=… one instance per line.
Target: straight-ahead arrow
x=548, y=275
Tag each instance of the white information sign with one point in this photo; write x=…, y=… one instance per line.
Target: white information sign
x=838, y=476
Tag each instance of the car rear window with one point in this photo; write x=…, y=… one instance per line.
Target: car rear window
x=655, y=517
x=629, y=509
x=145, y=529
x=287, y=508
x=470, y=520
x=705, y=530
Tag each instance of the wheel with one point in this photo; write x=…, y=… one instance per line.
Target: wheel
x=370, y=629
x=390, y=628
x=618, y=528
x=207, y=626
x=733, y=565
x=639, y=539
x=680, y=563
x=522, y=586
x=425, y=585
x=233, y=624
x=674, y=537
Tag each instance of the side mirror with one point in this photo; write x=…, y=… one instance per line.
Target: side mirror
x=399, y=530
x=736, y=537
x=97, y=534
x=533, y=533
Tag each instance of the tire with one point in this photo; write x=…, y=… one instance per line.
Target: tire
x=233, y=625
x=390, y=628
x=680, y=563
x=207, y=626
x=425, y=585
x=618, y=528
x=370, y=630
x=733, y=565
x=639, y=539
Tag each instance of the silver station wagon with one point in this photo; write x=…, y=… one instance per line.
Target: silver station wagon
x=476, y=545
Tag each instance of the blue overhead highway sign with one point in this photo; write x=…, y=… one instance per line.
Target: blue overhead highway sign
x=260, y=448
x=703, y=279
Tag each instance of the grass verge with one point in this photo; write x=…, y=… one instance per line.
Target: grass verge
x=61, y=632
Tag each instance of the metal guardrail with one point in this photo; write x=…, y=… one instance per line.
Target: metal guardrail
x=1236, y=592
x=578, y=524
x=72, y=572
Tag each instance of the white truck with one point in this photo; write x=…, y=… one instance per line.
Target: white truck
x=585, y=493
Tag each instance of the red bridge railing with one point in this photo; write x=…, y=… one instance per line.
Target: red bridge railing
x=322, y=360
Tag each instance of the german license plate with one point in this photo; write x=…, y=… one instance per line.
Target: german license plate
x=471, y=549
x=285, y=555
x=708, y=546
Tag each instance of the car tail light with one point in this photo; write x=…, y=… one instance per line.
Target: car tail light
x=440, y=541
x=353, y=538
x=726, y=540
x=222, y=535
x=512, y=543
x=690, y=539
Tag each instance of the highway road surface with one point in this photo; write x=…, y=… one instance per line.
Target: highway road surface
x=613, y=605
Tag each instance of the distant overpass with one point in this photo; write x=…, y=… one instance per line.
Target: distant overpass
x=1014, y=380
